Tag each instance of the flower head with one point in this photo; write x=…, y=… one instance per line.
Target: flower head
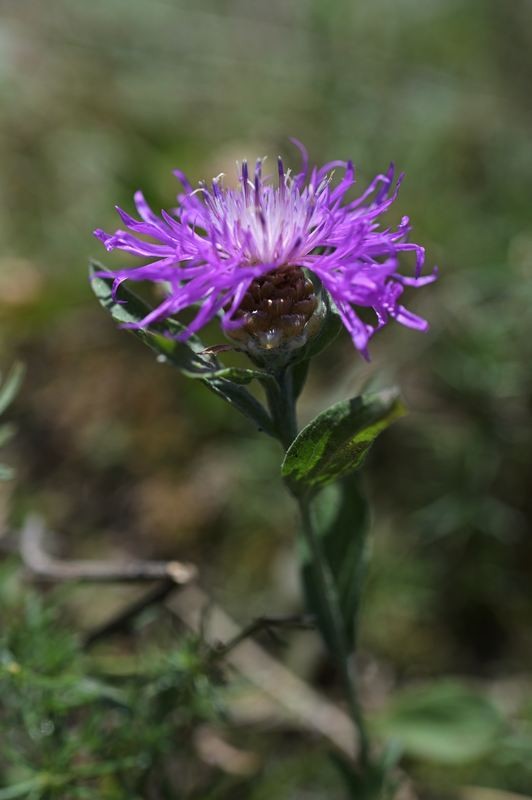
x=246, y=254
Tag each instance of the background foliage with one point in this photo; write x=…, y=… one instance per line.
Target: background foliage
x=122, y=455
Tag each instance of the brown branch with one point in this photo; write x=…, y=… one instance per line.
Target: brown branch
x=121, y=621
x=284, y=690
x=270, y=625
x=288, y=695
x=48, y=568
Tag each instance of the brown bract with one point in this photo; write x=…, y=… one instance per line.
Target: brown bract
x=277, y=308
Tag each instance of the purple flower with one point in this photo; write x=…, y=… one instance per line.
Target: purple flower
x=245, y=254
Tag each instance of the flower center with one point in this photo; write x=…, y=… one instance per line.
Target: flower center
x=279, y=309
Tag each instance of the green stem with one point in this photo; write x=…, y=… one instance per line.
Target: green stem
x=281, y=401
x=280, y=396
x=329, y=600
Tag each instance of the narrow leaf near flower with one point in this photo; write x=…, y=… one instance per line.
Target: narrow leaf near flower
x=256, y=256
x=189, y=357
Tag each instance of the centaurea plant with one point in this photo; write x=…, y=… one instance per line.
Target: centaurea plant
x=283, y=262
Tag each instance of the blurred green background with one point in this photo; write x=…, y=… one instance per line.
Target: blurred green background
x=123, y=456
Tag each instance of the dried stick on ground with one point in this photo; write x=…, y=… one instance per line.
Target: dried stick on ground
x=121, y=621
x=269, y=624
x=288, y=692
x=285, y=691
x=170, y=575
x=48, y=568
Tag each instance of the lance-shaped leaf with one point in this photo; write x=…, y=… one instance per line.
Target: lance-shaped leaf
x=8, y=391
x=10, y=386
x=342, y=521
x=336, y=442
x=244, y=401
x=190, y=357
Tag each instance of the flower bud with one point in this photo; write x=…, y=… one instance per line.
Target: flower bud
x=280, y=311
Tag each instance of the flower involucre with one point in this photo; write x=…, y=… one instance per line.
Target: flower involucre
x=246, y=254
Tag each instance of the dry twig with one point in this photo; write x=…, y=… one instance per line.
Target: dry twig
x=284, y=690
x=48, y=568
x=287, y=692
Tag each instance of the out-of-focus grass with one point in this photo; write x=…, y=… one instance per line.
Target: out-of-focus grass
x=101, y=98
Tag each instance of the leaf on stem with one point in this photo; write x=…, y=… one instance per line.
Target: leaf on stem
x=336, y=442
x=342, y=521
x=189, y=357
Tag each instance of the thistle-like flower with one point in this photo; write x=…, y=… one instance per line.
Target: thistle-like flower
x=251, y=255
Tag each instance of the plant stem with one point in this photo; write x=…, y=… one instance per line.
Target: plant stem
x=282, y=406
x=329, y=600
x=280, y=397
x=286, y=383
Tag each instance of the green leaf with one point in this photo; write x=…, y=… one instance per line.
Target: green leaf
x=6, y=433
x=190, y=356
x=444, y=722
x=22, y=789
x=127, y=308
x=336, y=442
x=244, y=401
x=11, y=386
x=342, y=521
x=6, y=473
x=74, y=691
